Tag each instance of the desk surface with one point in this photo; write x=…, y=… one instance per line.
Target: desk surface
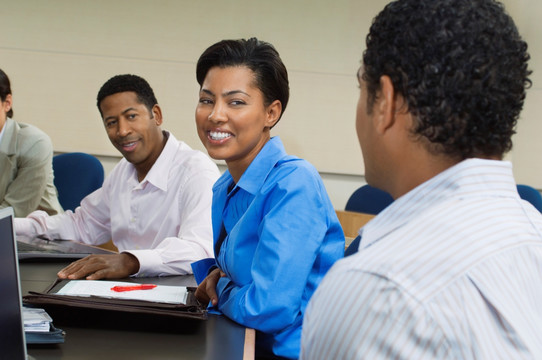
x=215, y=338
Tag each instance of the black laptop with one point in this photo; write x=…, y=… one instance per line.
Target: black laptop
x=42, y=248
x=12, y=339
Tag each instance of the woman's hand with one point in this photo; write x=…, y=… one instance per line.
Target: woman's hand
x=206, y=291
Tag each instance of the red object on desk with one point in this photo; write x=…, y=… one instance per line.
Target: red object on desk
x=135, y=287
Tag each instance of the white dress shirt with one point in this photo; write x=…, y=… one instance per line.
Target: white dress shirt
x=164, y=220
x=450, y=270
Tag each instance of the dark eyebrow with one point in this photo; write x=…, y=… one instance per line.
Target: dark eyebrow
x=228, y=93
x=234, y=92
x=208, y=92
x=128, y=110
x=124, y=112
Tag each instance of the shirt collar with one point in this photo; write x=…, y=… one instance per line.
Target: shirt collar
x=254, y=176
x=2, y=130
x=471, y=177
x=157, y=175
x=8, y=146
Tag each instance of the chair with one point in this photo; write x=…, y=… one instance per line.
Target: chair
x=530, y=194
x=76, y=175
x=368, y=200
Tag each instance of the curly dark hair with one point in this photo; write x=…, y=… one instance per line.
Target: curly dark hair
x=5, y=90
x=127, y=82
x=259, y=56
x=461, y=66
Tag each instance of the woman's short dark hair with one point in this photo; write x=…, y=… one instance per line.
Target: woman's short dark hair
x=128, y=82
x=5, y=90
x=259, y=56
x=461, y=66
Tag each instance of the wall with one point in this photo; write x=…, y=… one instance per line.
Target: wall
x=59, y=52
x=65, y=50
x=527, y=150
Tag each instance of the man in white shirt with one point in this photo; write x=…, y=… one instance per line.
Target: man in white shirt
x=156, y=203
x=452, y=268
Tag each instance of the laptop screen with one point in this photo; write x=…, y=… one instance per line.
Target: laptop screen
x=12, y=340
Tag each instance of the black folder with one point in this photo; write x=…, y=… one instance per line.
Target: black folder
x=67, y=306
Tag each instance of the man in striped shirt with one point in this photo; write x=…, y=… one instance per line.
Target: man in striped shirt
x=453, y=268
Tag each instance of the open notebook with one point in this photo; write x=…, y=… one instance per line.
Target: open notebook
x=12, y=339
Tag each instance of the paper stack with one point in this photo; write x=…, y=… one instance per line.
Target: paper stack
x=36, y=320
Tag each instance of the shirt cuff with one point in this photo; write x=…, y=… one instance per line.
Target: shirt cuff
x=150, y=262
x=25, y=227
x=202, y=268
x=39, y=221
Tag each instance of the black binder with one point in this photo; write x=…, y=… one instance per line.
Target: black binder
x=65, y=307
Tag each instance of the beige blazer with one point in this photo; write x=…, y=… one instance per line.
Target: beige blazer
x=26, y=170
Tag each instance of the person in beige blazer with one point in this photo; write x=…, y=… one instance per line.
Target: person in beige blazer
x=26, y=170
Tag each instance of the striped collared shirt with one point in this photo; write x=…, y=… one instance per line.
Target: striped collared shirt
x=451, y=270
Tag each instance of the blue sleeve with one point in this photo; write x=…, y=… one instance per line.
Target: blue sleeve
x=202, y=268
x=294, y=223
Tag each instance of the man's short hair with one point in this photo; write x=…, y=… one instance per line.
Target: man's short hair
x=127, y=82
x=461, y=67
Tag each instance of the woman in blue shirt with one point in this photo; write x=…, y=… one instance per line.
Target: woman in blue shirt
x=276, y=233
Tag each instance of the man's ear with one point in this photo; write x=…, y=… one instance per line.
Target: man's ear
x=385, y=105
x=273, y=112
x=157, y=114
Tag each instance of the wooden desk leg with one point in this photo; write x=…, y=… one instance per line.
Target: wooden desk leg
x=250, y=344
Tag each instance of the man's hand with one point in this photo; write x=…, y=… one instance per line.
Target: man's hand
x=206, y=291
x=96, y=267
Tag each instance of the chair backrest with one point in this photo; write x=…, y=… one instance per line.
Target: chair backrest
x=369, y=200
x=76, y=175
x=530, y=194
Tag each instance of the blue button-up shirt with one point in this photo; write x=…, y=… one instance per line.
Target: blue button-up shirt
x=276, y=234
